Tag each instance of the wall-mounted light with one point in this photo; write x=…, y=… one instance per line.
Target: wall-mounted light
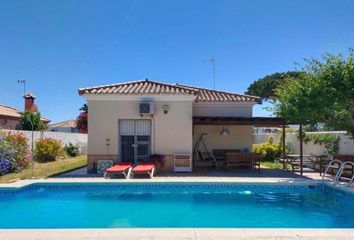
x=224, y=131
x=165, y=109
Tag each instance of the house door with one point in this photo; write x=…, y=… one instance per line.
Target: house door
x=135, y=140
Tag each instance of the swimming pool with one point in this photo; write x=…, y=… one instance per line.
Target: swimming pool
x=126, y=205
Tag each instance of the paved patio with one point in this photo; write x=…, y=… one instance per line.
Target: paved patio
x=204, y=173
x=237, y=175
x=179, y=233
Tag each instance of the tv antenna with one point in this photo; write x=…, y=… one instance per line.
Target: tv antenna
x=212, y=61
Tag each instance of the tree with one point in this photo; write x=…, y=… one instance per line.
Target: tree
x=81, y=120
x=323, y=94
x=35, y=118
x=265, y=87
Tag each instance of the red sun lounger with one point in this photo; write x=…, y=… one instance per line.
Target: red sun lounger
x=120, y=168
x=144, y=168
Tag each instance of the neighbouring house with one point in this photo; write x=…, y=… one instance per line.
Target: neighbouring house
x=65, y=126
x=129, y=121
x=9, y=116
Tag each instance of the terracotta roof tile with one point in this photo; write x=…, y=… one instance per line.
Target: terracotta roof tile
x=209, y=95
x=146, y=86
x=137, y=87
x=68, y=124
x=14, y=113
x=9, y=111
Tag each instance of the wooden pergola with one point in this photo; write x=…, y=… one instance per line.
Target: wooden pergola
x=254, y=121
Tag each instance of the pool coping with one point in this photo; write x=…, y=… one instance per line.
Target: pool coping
x=178, y=233
x=23, y=183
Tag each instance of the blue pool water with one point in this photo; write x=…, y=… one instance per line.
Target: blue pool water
x=175, y=205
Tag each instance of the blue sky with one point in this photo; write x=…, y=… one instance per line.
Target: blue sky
x=59, y=46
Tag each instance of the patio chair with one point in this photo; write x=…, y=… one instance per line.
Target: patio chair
x=144, y=168
x=120, y=168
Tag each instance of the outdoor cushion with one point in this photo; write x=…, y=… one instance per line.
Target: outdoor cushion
x=143, y=167
x=120, y=167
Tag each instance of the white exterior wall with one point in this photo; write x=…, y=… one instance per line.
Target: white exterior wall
x=171, y=132
x=240, y=137
x=237, y=109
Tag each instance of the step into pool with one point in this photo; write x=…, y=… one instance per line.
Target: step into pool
x=162, y=205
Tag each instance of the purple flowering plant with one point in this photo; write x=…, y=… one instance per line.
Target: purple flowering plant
x=14, y=152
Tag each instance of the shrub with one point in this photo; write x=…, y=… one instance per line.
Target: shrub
x=330, y=142
x=81, y=120
x=71, y=150
x=14, y=152
x=5, y=166
x=19, y=143
x=47, y=149
x=268, y=150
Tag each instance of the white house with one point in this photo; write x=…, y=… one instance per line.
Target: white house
x=129, y=121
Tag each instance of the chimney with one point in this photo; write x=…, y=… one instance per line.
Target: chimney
x=29, y=103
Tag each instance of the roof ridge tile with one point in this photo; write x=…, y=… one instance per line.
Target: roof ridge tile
x=146, y=86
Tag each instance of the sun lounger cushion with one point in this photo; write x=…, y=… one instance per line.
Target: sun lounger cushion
x=143, y=168
x=120, y=167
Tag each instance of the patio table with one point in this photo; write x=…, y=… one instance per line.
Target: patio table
x=292, y=159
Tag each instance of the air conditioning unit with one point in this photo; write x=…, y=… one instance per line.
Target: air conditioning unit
x=146, y=108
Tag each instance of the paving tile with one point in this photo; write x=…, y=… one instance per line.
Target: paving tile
x=122, y=234
x=49, y=234
x=177, y=234
x=171, y=234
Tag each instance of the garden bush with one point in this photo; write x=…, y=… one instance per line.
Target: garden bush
x=47, y=149
x=330, y=142
x=14, y=152
x=268, y=150
x=71, y=150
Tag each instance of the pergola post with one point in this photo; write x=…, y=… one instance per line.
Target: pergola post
x=283, y=143
x=301, y=151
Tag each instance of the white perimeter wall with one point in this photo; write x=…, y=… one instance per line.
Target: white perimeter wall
x=77, y=139
x=346, y=145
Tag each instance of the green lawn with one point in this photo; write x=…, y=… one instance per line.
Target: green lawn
x=44, y=170
x=272, y=165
